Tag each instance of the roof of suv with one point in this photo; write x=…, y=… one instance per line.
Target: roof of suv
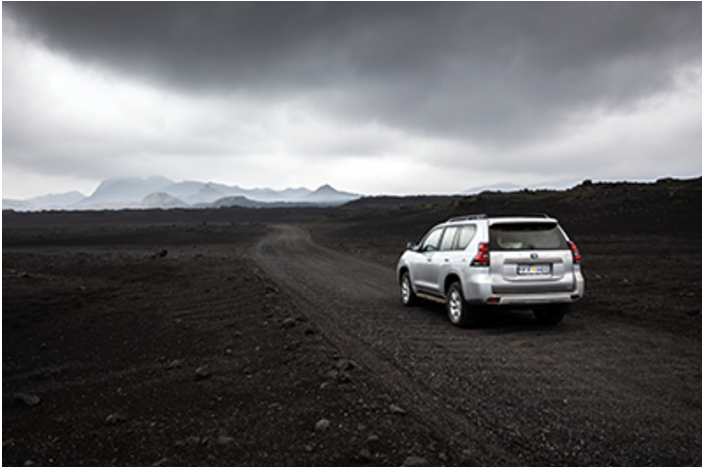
x=504, y=219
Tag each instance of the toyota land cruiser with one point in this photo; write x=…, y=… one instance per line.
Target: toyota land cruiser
x=475, y=263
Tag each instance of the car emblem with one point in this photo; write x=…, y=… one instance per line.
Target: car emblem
x=534, y=256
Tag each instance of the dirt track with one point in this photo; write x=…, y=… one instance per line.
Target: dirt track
x=592, y=391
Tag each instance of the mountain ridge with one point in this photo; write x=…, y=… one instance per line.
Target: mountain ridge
x=161, y=192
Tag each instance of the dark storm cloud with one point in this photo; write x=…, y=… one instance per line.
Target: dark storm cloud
x=490, y=72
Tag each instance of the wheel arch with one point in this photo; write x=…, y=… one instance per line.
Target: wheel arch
x=403, y=269
x=450, y=279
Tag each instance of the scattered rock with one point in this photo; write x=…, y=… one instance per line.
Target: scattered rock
x=343, y=377
x=115, y=418
x=396, y=409
x=175, y=364
x=30, y=400
x=289, y=323
x=414, y=461
x=346, y=365
x=322, y=426
x=202, y=373
x=363, y=457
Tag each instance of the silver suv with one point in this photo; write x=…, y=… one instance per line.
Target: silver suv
x=477, y=263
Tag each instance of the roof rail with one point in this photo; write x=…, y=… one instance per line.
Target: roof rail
x=467, y=218
x=485, y=216
x=528, y=214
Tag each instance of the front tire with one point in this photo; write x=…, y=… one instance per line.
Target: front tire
x=459, y=313
x=409, y=298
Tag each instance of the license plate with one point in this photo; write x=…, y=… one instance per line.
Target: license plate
x=533, y=269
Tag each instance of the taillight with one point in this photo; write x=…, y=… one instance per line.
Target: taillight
x=575, y=251
x=483, y=256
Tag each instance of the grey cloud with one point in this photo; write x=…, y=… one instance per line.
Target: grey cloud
x=503, y=89
x=489, y=72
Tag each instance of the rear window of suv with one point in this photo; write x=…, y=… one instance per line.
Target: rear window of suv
x=526, y=236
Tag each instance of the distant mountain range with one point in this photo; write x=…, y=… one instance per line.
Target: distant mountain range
x=161, y=193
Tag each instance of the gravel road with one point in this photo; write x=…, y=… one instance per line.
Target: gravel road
x=591, y=391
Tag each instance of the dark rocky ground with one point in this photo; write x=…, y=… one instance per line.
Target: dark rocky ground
x=157, y=338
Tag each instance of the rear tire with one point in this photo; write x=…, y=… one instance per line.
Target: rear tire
x=460, y=313
x=550, y=316
x=409, y=298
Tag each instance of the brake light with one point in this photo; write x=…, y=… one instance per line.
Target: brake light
x=483, y=256
x=575, y=251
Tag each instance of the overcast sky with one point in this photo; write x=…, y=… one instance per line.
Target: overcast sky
x=373, y=98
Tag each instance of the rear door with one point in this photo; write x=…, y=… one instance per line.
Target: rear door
x=528, y=257
x=443, y=259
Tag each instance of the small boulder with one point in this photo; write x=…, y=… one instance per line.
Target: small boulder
x=29, y=400
x=115, y=418
x=202, y=373
x=289, y=323
x=174, y=364
x=322, y=426
x=396, y=409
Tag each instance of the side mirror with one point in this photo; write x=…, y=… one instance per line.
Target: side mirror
x=412, y=246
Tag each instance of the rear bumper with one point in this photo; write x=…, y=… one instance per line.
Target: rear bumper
x=480, y=292
x=527, y=300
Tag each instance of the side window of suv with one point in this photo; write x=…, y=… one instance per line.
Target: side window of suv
x=448, y=238
x=431, y=241
x=465, y=235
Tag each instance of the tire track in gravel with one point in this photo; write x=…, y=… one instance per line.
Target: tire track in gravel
x=513, y=392
x=348, y=300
